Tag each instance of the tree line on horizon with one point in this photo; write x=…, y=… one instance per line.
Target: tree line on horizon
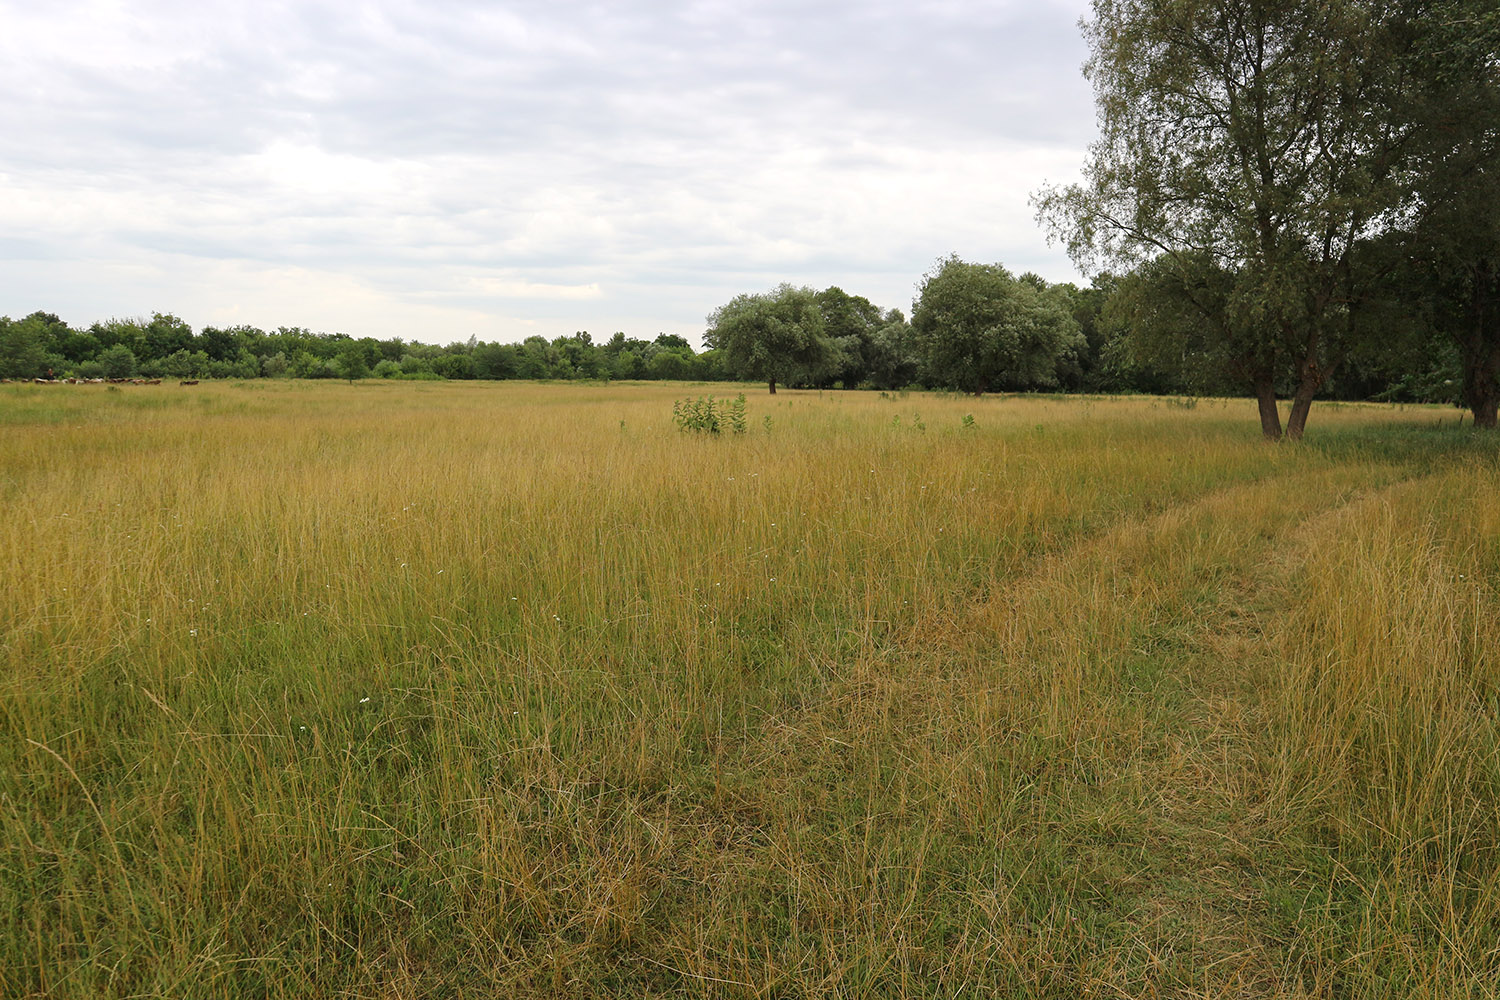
x=166, y=346
x=974, y=328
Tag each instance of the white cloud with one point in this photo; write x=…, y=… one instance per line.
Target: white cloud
x=435, y=170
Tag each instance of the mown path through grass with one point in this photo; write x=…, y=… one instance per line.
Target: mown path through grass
x=1141, y=822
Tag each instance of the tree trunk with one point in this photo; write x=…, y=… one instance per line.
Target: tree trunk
x=1485, y=416
x=773, y=387
x=1482, y=389
x=1480, y=351
x=1270, y=416
x=1302, y=402
x=1312, y=377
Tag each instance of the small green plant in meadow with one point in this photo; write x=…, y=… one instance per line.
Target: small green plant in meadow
x=968, y=421
x=735, y=414
x=710, y=416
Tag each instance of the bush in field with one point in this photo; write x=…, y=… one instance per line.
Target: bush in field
x=710, y=416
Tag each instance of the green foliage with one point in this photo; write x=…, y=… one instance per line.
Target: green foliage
x=454, y=366
x=1438, y=380
x=891, y=357
x=978, y=328
x=352, y=363
x=709, y=416
x=1450, y=251
x=851, y=323
x=576, y=357
x=1186, y=323
x=772, y=337
x=668, y=365
x=22, y=354
x=184, y=364
x=1258, y=140
x=165, y=346
x=495, y=361
x=118, y=362
x=165, y=335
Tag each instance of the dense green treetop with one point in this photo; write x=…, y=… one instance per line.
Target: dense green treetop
x=771, y=336
x=978, y=328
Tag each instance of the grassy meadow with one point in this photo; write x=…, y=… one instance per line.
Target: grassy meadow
x=512, y=690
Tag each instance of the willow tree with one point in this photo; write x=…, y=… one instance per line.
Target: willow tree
x=1246, y=144
x=772, y=337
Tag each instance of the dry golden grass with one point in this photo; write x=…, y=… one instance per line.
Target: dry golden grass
x=515, y=690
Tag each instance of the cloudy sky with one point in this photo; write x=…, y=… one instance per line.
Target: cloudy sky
x=446, y=168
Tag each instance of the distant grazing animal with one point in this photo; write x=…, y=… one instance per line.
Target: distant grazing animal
x=187, y=382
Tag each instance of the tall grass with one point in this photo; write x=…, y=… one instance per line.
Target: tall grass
x=476, y=690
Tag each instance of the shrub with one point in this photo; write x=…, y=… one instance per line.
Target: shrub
x=118, y=361
x=707, y=415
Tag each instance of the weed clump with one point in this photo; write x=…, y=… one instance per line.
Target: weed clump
x=707, y=415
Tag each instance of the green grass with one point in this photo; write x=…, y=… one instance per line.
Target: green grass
x=514, y=690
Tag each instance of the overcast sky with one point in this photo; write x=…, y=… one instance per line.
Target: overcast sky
x=445, y=168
